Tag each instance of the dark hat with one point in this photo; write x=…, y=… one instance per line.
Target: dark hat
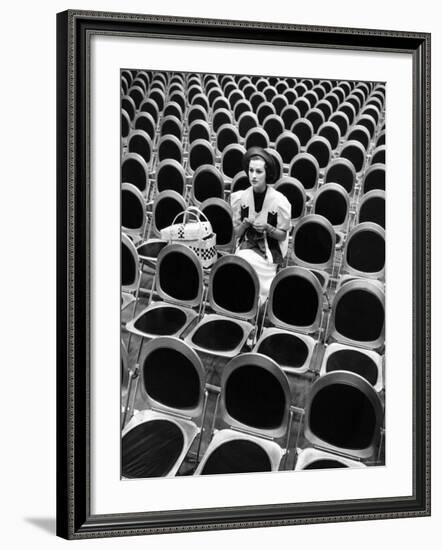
x=270, y=163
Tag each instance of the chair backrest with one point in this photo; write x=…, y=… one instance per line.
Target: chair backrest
x=332, y=202
x=134, y=170
x=289, y=114
x=331, y=132
x=246, y=122
x=240, y=182
x=140, y=142
x=226, y=135
x=303, y=129
x=144, y=121
x=241, y=107
x=355, y=153
x=349, y=110
x=279, y=101
x=374, y=178
x=179, y=97
x=130, y=272
x=157, y=95
x=169, y=147
x=341, y=171
x=302, y=105
x=316, y=117
x=172, y=377
x=150, y=107
x=295, y=300
x=196, y=112
x=199, y=129
x=173, y=109
x=378, y=155
x=231, y=160
x=361, y=134
x=320, y=148
x=305, y=168
x=274, y=126
x=221, y=116
x=372, y=208
x=133, y=210
x=314, y=242
x=128, y=104
x=369, y=122
x=358, y=315
x=341, y=120
x=234, y=288
x=343, y=414
x=256, y=100
x=294, y=192
x=173, y=126
x=166, y=206
x=220, y=216
x=185, y=289
x=325, y=107
x=207, y=182
x=125, y=124
x=256, y=137
x=264, y=110
x=364, y=253
x=288, y=146
x=200, y=152
x=255, y=397
x=170, y=175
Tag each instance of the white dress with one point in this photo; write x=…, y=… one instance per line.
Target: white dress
x=260, y=250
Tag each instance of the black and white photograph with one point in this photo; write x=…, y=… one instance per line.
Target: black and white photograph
x=252, y=273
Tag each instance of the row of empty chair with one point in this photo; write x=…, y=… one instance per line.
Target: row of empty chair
x=299, y=382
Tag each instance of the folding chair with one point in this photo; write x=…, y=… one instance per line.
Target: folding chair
x=355, y=153
x=156, y=440
x=220, y=216
x=140, y=142
x=252, y=421
x=320, y=148
x=305, y=168
x=133, y=212
x=303, y=129
x=170, y=147
x=341, y=171
x=294, y=311
x=233, y=297
x=200, y=152
x=358, y=315
x=207, y=182
x=366, y=363
x=343, y=416
x=179, y=295
x=372, y=208
x=374, y=178
x=134, y=170
x=364, y=253
x=288, y=146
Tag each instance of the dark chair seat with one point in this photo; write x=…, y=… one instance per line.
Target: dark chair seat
x=237, y=456
x=218, y=335
x=151, y=449
x=161, y=321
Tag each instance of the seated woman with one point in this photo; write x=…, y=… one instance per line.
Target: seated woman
x=261, y=217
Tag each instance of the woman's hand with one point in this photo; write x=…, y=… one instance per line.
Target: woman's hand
x=260, y=227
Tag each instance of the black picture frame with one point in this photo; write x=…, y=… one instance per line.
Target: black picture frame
x=74, y=518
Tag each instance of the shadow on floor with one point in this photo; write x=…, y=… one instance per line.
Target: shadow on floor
x=46, y=524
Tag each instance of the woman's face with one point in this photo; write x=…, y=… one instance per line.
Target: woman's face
x=257, y=174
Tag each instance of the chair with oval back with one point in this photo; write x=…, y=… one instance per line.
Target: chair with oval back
x=233, y=297
x=172, y=396
x=252, y=421
x=289, y=337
